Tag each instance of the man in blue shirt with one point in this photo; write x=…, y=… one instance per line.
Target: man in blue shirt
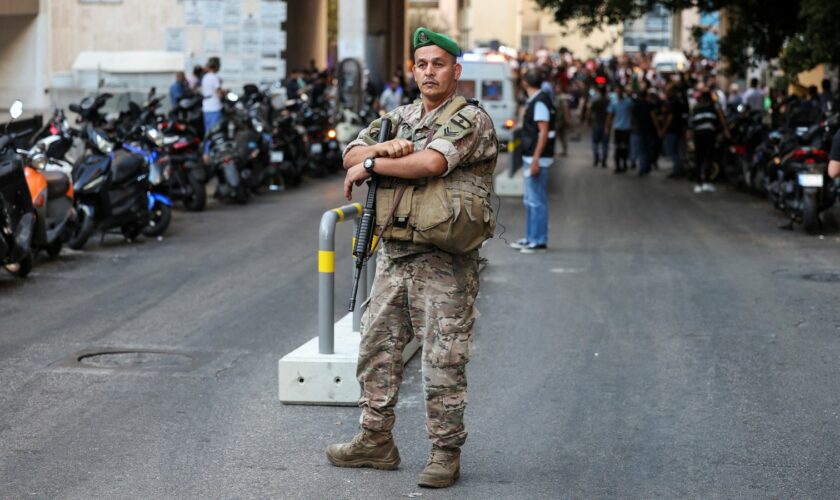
x=179, y=89
x=619, y=115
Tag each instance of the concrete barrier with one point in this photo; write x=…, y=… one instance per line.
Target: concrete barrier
x=323, y=370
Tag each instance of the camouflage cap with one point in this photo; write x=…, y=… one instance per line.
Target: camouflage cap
x=425, y=36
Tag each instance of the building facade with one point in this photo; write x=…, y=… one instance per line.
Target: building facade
x=53, y=52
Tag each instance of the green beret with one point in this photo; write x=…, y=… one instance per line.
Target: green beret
x=424, y=37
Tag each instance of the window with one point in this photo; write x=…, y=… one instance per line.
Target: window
x=491, y=90
x=466, y=88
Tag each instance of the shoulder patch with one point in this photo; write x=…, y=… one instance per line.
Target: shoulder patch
x=459, y=125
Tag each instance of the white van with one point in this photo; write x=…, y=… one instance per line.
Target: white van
x=669, y=61
x=490, y=82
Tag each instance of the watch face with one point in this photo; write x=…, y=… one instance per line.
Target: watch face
x=369, y=163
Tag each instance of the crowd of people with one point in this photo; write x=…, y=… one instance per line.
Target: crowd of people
x=648, y=114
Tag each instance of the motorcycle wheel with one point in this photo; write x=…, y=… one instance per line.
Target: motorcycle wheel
x=22, y=268
x=82, y=232
x=810, y=214
x=196, y=200
x=54, y=248
x=291, y=179
x=241, y=195
x=316, y=170
x=159, y=219
x=130, y=231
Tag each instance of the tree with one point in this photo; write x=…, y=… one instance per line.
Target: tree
x=818, y=41
x=759, y=29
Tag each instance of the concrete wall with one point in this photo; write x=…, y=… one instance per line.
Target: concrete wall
x=130, y=25
x=23, y=57
x=306, y=32
x=19, y=7
x=374, y=31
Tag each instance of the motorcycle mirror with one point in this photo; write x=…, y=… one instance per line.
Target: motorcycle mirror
x=152, y=91
x=16, y=110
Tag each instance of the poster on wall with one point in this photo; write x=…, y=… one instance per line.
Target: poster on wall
x=192, y=13
x=212, y=13
x=273, y=11
x=250, y=68
x=175, y=40
x=230, y=41
x=270, y=42
x=232, y=15
x=249, y=42
x=231, y=71
x=212, y=42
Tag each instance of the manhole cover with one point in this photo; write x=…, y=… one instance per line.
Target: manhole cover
x=144, y=360
x=135, y=359
x=824, y=277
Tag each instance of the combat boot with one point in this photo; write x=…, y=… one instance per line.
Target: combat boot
x=442, y=469
x=367, y=449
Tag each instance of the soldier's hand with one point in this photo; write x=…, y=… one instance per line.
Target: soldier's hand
x=395, y=148
x=355, y=175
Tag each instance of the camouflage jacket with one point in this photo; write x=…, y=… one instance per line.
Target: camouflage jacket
x=468, y=138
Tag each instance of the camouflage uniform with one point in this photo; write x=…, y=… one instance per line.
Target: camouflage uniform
x=422, y=291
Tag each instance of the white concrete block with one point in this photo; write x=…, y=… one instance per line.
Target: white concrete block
x=307, y=377
x=504, y=185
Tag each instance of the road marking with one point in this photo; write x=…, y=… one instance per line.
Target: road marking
x=567, y=270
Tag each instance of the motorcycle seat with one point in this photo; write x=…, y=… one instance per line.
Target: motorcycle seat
x=57, y=184
x=126, y=166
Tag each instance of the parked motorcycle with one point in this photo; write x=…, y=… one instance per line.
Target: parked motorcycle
x=233, y=150
x=797, y=180
x=17, y=215
x=111, y=187
x=143, y=141
x=51, y=190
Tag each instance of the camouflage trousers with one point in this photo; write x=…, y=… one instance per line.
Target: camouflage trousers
x=430, y=296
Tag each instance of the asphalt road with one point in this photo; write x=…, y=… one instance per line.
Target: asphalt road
x=668, y=345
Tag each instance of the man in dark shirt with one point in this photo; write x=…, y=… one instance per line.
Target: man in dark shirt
x=834, y=157
x=646, y=128
x=673, y=129
x=596, y=117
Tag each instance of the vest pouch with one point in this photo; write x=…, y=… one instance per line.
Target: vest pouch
x=432, y=206
x=399, y=228
x=458, y=219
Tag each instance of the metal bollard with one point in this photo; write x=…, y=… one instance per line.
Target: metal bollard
x=326, y=273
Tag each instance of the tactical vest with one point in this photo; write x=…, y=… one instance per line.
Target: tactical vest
x=452, y=213
x=530, y=130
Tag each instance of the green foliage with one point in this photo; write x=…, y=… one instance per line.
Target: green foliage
x=819, y=39
x=803, y=32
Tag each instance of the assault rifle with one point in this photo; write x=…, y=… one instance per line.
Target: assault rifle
x=367, y=223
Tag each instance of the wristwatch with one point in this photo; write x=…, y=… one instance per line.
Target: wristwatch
x=369, y=164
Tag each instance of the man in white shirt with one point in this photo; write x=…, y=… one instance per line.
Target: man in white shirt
x=391, y=97
x=754, y=97
x=211, y=90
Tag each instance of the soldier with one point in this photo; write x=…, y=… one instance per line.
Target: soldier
x=433, y=212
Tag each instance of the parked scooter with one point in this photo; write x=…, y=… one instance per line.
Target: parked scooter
x=111, y=187
x=231, y=154
x=17, y=215
x=147, y=140
x=51, y=190
x=795, y=174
